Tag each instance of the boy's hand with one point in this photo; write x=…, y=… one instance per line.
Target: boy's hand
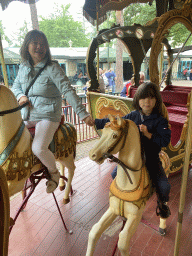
x=89, y=121
x=143, y=129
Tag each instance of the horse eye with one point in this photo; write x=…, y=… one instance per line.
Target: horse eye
x=114, y=136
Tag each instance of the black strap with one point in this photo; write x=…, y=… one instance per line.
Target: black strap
x=33, y=81
x=9, y=111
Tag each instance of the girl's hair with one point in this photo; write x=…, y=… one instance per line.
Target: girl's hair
x=30, y=37
x=146, y=90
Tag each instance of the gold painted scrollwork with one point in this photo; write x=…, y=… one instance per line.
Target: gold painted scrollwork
x=166, y=21
x=105, y=106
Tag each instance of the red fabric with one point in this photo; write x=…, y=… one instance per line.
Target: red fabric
x=127, y=87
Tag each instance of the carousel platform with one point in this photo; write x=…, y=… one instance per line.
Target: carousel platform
x=39, y=231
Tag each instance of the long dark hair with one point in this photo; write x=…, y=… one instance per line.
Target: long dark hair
x=146, y=90
x=31, y=36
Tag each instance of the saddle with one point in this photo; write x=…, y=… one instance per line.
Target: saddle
x=61, y=146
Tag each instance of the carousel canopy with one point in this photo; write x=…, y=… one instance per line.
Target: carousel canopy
x=94, y=8
x=5, y=3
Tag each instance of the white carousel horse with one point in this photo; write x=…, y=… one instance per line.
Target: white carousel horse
x=16, y=157
x=130, y=189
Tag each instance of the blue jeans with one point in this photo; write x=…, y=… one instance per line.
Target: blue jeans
x=114, y=173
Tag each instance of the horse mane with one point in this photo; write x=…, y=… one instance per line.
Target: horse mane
x=114, y=125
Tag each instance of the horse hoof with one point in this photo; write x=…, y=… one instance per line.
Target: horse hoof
x=66, y=201
x=61, y=188
x=162, y=231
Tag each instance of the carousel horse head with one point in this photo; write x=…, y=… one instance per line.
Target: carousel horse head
x=8, y=102
x=118, y=135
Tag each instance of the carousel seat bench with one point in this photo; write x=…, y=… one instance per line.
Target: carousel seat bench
x=176, y=121
x=174, y=88
x=174, y=98
x=177, y=110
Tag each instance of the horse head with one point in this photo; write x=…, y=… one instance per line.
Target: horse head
x=9, y=123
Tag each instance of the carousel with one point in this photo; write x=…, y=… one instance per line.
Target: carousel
x=21, y=171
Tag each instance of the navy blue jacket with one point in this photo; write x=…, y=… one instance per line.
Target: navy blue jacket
x=156, y=124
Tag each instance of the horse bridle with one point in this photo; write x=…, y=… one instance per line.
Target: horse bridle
x=115, y=159
x=9, y=111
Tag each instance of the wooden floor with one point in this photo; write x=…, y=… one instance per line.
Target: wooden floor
x=39, y=231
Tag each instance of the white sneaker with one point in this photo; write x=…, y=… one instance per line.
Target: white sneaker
x=53, y=183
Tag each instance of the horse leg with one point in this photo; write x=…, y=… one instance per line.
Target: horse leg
x=128, y=231
x=62, y=172
x=70, y=165
x=98, y=229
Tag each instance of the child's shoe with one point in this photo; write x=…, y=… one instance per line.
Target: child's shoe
x=53, y=182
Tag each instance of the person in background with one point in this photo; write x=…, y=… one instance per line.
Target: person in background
x=111, y=78
x=45, y=98
x=191, y=74
x=155, y=134
x=105, y=79
x=125, y=91
x=80, y=74
x=101, y=81
x=188, y=74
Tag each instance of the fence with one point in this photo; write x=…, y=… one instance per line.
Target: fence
x=84, y=132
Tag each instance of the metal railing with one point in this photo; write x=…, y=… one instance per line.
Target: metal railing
x=84, y=132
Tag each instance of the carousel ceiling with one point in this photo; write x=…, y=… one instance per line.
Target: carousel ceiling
x=92, y=8
x=5, y=3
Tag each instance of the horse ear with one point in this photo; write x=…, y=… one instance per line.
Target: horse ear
x=111, y=118
x=120, y=120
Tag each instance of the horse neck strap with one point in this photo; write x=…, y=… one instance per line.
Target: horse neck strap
x=124, y=131
x=12, y=144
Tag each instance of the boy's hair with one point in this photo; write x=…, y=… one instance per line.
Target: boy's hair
x=146, y=90
x=30, y=37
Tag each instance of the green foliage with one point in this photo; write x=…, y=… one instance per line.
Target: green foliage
x=60, y=28
x=3, y=35
x=139, y=13
x=178, y=34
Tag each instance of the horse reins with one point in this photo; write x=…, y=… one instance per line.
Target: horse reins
x=115, y=159
x=9, y=111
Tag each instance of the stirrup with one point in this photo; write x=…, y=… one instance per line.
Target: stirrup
x=163, y=210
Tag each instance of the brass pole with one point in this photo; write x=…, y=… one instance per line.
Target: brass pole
x=97, y=8
x=174, y=60
x=3, y=64
x=184, y=181
x=161, y=63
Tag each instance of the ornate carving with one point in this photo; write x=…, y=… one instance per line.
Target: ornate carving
x=19, y=167
x=166, y=21
x=104, y=106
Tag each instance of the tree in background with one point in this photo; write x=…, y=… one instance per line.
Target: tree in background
x=60, y=28
x=142, y=13
x=3, y=35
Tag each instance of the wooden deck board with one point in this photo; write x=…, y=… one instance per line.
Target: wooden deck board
x=39, y=230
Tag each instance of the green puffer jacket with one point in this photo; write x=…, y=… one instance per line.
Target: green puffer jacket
x=46, y=93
